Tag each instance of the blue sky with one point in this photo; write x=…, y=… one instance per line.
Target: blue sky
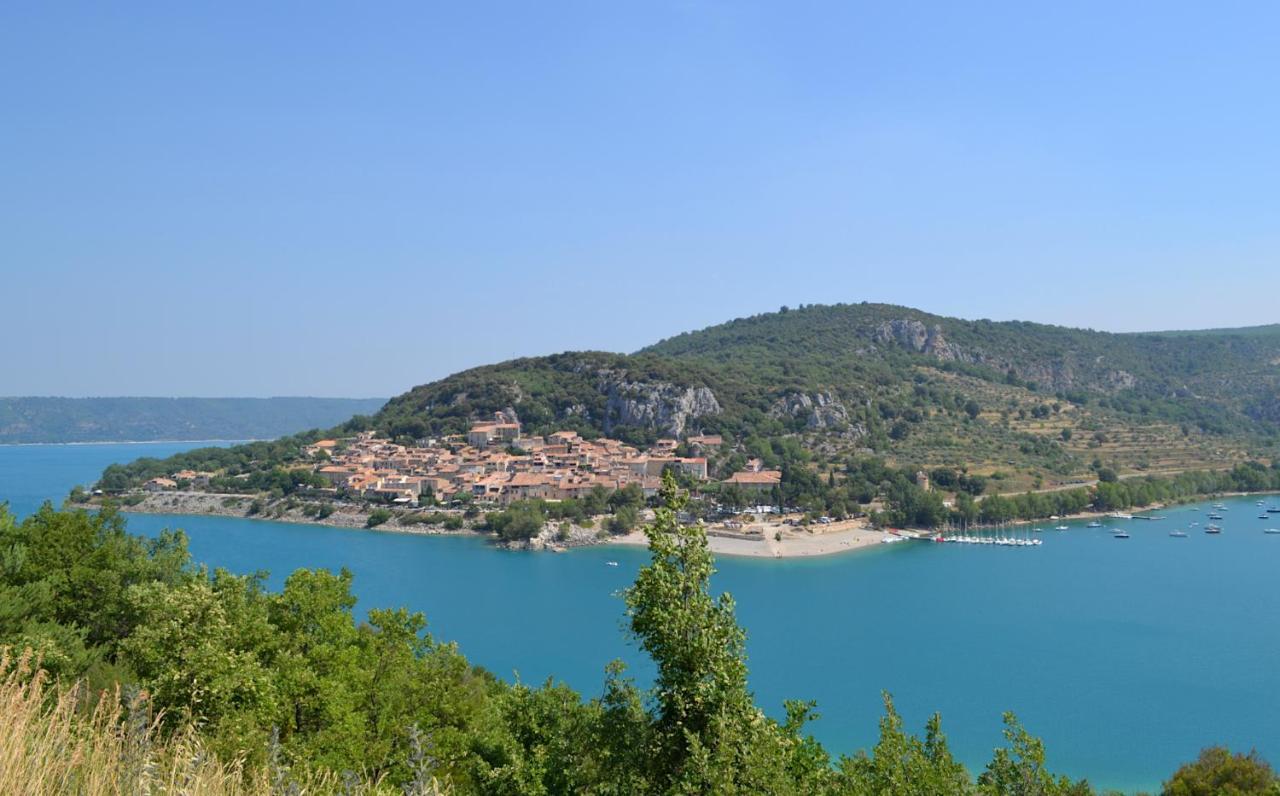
x=325, y=199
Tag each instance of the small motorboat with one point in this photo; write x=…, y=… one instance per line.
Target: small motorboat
x=1061, y=528
x=1212, y=529
x=1119, y=534
x=1094, y=524
x=1272, y=530
x=611, y=563
x=1178, y=534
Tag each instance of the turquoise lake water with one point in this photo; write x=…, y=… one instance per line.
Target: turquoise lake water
x=1125, y=656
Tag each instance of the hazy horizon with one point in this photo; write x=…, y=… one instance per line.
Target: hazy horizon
x=546, y=353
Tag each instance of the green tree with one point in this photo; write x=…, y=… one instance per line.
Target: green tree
x=624, y=520
x=903, y=765
x=196, y=647
x=707, y=735
x=1018, y=770
x=1217, y=772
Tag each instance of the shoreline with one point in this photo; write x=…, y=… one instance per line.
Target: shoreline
x=774, y=540
x=795, y=545
x=843, y=537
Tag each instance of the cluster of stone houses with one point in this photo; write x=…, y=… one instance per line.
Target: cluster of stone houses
x=495, y=462
x=193, y=478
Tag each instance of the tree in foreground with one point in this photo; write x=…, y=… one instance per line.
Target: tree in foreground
x=1217, y=772
x=706, y=736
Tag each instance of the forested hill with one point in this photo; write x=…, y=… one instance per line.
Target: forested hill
x=55, y=420
x=827, y=366
x=1038, y=404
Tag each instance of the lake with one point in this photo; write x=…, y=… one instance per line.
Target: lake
x=1126, y=656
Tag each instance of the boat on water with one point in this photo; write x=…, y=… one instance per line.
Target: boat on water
x=1264, y=516
x=1094, y=524
x=1120, y=516
x=611, y=563
x=1119, y=534
x=1178, y=534
x=1061, y=528
x=1273, y=510
x=1212, y=529
x=1216, y=517
x=1272, y=530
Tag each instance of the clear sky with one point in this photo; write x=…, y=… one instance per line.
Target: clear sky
x=349, y=199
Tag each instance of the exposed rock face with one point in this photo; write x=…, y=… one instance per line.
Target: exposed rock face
x=915, y=336
x=662, y=406
x=1121, y=380
x=821, y=410
x=1054, y=375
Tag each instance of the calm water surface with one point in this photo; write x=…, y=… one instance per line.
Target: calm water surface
x=1126, y=656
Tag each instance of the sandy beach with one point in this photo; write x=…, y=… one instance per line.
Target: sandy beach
x=789, y=542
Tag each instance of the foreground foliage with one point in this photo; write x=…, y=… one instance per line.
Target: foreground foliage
x=61, y=740
x=254, y=691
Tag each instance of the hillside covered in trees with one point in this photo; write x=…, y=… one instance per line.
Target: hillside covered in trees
x=920, y=389
x=1021, y=405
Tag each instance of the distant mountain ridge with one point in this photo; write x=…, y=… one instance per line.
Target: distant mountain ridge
x=62, y=420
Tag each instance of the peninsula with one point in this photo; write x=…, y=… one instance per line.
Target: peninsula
x=782, y=427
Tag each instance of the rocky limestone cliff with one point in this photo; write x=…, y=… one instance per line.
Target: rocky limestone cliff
x=915, y=336
x=662, y=406
x=1054, y=375
x=820, y=410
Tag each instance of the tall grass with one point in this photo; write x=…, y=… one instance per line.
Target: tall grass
x=57, y=739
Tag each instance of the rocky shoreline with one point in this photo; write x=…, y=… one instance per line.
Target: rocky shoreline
x=555, y=537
